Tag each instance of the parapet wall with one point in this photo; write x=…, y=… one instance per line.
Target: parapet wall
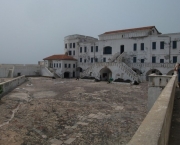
x=5, y=87
x=154, y=130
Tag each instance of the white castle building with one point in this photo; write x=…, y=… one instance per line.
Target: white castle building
x=130, y=54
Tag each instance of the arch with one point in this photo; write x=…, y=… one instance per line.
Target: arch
x=105, y=74
x=66, y=74
x=151, y=71
x=107, y=50
x=171, y=72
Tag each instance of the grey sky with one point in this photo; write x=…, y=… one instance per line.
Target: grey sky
x=31, y=30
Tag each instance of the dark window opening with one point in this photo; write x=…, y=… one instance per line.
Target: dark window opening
x=70, y=45
x=135, y=46
x=162, y=45
x=85, y=60
x=134, y=59
x=92, y=60
x=161, y=60
x=85, y=49
x=153, y=45
x=74, y=45
x=174, y=59
x=153, y=59
x=142, y=60
x=107, y=50
x=104, y=59
x=69, y=52
x=65, y=65
x=142, y=46
x=74, y=65
x=80, y=59
x=66, y=45
x=91, y=48
x=96, y=48
x=69, y=65
x=57, y=64
x=96, y=59
x=174, y=44
x=121, y=49
x=80, y=49
x=74, y=52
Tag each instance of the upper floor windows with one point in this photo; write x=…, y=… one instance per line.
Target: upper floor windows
x=153, y=45
x=69, y=65
x=92, y=60
x=74, y=52
x=65, y=65
x=69, y=52
x=70, y=45
x=85, y=49
x=91, y=48
x=107, y=50
x=96, y=48
x=74, y=65
x=142, y=46
x=174, y=44
x=161, y=60
x=135, y=47
x=80, y=49
x=74, y=45
x=80, y=59
x=66, y=45
x=142, y=60
x=104, y=59
x=162, y=45
x=84, y=60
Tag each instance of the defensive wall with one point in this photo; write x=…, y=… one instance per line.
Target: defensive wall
x=7, y=86
x=155, y=128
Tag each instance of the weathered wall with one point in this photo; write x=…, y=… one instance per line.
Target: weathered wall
x=7, y=86
x=154, y=130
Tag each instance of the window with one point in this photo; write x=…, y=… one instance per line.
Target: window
x=69, y=52
x=74, y=52
x=174, y=59
x=135, y=46
x=92, y=60
x=96, y=48
x=74, y=65
x=80, y=49
x=153, y=45
x=85, y=49
x=66, y=45
x=84, y=60
x=174, y=44
x=107, y=50
x=142, y=46
x=57, y=64
x=70, y=45
x=65, y=65
x=54, y=65
x=142, y=60
x=74, y=45
x=161, y=60
x=162, y=45
x=60, y=65
x=153, y=59
x=96, y=59
x=80, y=59
x=91, y=48
x=69, y=66
x=104, y=59
x=134, y=59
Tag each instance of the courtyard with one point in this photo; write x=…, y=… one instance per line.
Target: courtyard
x=45, y=111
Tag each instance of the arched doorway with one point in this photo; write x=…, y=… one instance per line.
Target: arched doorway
x=105, y=74
x=66, y=75
x=171, y=72
x=152, y=71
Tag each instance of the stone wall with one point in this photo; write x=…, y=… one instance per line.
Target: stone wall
x=154, y=130
x=7, y=86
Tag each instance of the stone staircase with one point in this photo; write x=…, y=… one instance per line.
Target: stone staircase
x=115, y=56
x=119, y=65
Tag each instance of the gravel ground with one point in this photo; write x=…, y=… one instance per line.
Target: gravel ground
x=46, y=111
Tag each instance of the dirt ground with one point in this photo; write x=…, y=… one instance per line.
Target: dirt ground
x=45, y=111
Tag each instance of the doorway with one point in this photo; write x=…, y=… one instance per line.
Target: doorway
x=66, y=75
x=121, y=49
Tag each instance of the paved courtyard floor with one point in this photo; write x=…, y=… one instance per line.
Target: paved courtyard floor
x=45, y=111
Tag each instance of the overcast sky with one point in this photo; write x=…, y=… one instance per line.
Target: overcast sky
x=31, y=30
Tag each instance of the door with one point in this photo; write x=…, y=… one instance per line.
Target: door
x=121, y=49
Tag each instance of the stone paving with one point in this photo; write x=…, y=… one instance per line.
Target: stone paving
x=46, y=111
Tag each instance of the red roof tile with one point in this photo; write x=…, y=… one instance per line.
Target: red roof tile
x=133, y=29
x=59, y=57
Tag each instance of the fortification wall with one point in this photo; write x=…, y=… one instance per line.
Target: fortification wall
x=7, y=86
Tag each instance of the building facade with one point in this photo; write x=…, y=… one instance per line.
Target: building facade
x=130, y=54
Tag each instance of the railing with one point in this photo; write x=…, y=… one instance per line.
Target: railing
x=120, y=58
x=155, y=128
x=114, y=57
x=152, y=65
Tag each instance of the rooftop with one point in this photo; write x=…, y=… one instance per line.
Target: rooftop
x=132, y=29
x=59, y=57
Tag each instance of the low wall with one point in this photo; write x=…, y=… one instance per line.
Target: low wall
x=7, y=86
x=154, y=130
